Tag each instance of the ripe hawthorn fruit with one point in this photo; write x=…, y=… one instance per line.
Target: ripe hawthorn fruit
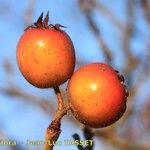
x=45, y=54
x=97, y=95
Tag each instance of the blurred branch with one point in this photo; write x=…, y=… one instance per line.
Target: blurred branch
x=130, y=65
x=85, y=6
x=104, y=46
x=146, y=8
x=8, y=67
x=131, y=61
x=77, y=137
x=5, y=8
x=107, y=12
x=29, y=12
x=4, y=136
x=44, y=104
x=121, y=143
x=88, y=135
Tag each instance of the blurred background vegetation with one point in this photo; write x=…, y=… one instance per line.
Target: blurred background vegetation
x=112, y=31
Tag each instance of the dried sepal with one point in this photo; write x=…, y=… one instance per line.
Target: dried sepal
x=43, y=24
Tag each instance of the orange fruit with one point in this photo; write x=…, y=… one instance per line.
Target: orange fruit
x=96, y=95
x=45, y=56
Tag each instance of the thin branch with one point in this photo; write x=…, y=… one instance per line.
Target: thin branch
x=59, y=98
x=102, y=43
x=87, y=8
x=121, y=143
x=27, y=15
x=46, y=105
x=131, y=60
x=107, y=12
x=54, y=129
x=146, y=8
x=15, y=91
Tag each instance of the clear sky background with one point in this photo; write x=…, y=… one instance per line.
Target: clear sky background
x=23, y=121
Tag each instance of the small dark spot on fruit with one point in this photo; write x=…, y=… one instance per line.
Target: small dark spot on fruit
x=36, y=61
x=83, y=101
x=96, y=104
x=89, y=105
x=45, y=74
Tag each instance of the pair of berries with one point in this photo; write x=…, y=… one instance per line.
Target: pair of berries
x=46, y=58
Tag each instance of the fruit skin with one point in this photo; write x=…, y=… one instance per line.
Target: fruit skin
x=96, y=95
x=45, y=57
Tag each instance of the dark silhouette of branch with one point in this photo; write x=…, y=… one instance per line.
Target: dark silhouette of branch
x=88, y=135
x=44, y=104
x=87, y=10
x=77, y=137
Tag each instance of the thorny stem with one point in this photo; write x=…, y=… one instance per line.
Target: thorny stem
x=54, y=129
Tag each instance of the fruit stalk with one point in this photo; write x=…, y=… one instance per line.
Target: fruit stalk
x=59, y=98
x=54, y=129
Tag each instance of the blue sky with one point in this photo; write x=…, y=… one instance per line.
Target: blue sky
x=21, y=120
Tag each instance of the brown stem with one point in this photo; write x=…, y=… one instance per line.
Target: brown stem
x=54, y=129
x=59, y=98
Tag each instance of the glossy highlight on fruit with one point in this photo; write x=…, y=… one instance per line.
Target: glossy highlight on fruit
x=97, y=95
x=45, y=54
